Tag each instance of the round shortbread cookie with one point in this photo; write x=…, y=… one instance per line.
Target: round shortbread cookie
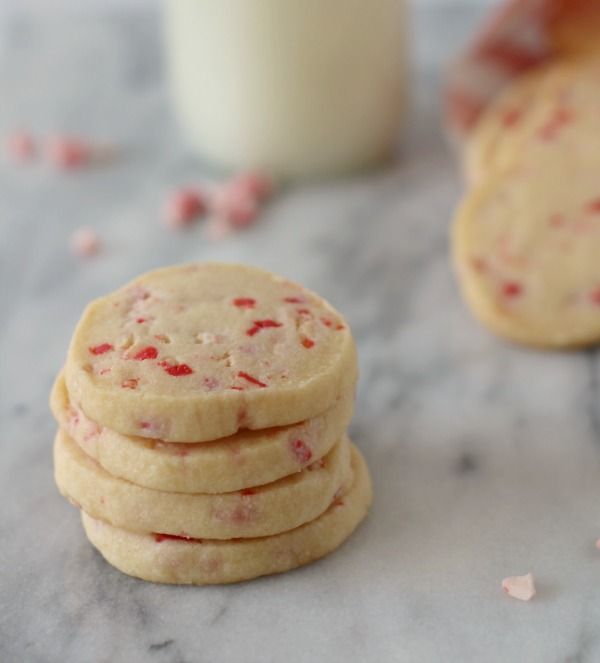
x=164, y=559
x=247, y=459
x=531, y=114
x=527, y=247
x=252, y=512
x=198, y=352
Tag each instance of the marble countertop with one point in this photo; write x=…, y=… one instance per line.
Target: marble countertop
x=485, y=457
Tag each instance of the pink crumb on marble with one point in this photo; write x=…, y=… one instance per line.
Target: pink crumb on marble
x=68, y=152
x=183, y=207
x=20, y=146
x=519, y=587
x=85, y=242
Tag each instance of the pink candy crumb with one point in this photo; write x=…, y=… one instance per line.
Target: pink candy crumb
x=20, y=146
x=519, y=587
x=68, y=153
x=85, y=242
x=183, y=207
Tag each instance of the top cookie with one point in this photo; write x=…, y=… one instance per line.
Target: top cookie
x=197, y=352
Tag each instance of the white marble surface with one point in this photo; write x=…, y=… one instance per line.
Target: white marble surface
x=485, y=457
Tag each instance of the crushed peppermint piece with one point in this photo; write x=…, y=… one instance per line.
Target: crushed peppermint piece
x=20, y=146
x=67, y=152
x=512, y=289
x=101, y=349
x=85, y=242
x=149, y=352
x=519, y=587
x=254, y=184
x=183, y=207
x=176, y=370
x=251, y=379
x=262, y=324
x=244, y=302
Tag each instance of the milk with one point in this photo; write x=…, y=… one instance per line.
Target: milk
x=297, y=88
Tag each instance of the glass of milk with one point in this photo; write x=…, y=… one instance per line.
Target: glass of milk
x=296, y=88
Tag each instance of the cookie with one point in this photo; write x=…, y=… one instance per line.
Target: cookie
x=248, y=458
x=499, y=134
x=198, y=352
x=527, y=247
x=168, y=560
x=260, y=511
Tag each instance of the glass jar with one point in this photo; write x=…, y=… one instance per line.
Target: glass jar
x=297, y=88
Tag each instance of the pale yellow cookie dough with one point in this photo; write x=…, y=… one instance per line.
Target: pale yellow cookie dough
x=248, y=458
x=198, y=352
x=261, y=511
x=530, y=116
x=213, y=562
x=527, y=250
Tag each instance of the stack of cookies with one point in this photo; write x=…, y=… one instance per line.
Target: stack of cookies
x=203, y=413
x=527, y=237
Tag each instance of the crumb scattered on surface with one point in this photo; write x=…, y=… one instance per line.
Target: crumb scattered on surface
x=519, y=587
x=85, y=242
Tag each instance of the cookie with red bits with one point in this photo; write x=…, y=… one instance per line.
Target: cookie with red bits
x=198, y=352
x=527, y=250
x=244, y=460
x=165, y=558
x=251, y=512
x=555, y=108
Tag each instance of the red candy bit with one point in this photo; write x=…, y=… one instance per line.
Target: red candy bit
x=247, y=491
x=251, y=379
x=327, y=322
x=130, y=383
x=301, y=451
x=262, y=324
x=176, y=370
x=339, y=327
x=101, y=349
x=308, y=343
x=183, y=207
x=149, y=352
x=172, y=537
x=512, y=289
x=294, y=300
x=235, y=207
x=84, y=242
x=303, y=311
x=560, y=119
x=595, y=296
x=20, y=146
x=68, y=153
x=237, y=388
x=244, y=302
x=140, y=320
x=210, y=383
x=511, y=117
x=478, y=265
x=253, y=184
x=594, y=206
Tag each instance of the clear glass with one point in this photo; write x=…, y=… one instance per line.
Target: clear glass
x=298, y=88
